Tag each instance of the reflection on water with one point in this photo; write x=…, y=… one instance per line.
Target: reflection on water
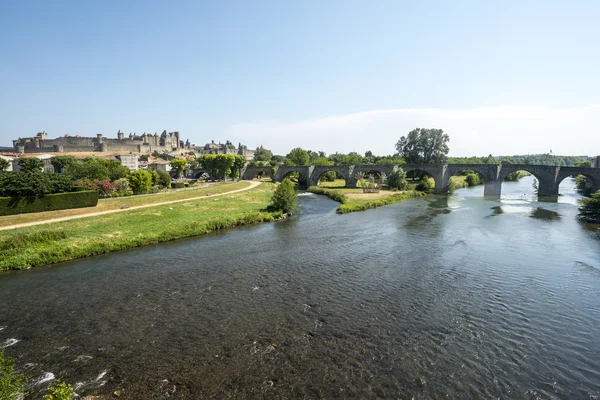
x=428, y=298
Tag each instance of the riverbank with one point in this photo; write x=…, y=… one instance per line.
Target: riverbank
x=123, y=203
x=355, y=200
x=61, y=241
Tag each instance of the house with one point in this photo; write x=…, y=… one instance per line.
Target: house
x=130, y=161
x=160, y=166
x=47, y=158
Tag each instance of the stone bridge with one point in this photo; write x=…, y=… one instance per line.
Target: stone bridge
x=549, y=177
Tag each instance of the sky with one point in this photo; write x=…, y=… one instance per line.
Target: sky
x=510, y=77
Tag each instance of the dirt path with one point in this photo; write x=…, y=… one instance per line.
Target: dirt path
x=253, y=184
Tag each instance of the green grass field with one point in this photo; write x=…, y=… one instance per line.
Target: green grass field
x=34, y=246
x=125, y=202
x=355, y=200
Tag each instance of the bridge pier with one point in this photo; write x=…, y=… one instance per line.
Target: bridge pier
x=492, y=188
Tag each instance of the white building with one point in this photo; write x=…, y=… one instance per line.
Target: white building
x=160, y=165
x=47, y=158
x=130, y=161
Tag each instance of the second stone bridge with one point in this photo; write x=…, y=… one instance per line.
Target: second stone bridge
x=549, y=177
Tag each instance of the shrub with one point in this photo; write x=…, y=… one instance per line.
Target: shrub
x=590, y=210
x=164, y=179
x=12, y=384
x=397, y=180
x=32, y=164
x=473, y=179
x=60, y=391
x=425, y=185
x=285, y=198
x=86, y=184
x=121, y=188
x=4, y=164
x=178, y=185
x=105, y=188
x=583, y=185
x=49, y=202
x=140, y=181
x=15, y=184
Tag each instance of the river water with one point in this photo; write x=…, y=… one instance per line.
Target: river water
x=456, y=297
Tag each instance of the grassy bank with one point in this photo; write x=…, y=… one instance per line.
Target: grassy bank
x=61, y=241
x=126, y=202
x=354, y=200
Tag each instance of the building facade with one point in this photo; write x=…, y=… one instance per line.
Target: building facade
x=219, y=148
x=145, y=143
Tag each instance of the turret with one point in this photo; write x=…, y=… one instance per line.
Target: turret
x=120, y=135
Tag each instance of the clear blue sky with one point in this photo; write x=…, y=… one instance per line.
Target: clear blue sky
x=236, y=70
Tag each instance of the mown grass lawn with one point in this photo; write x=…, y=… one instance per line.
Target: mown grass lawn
x=125, y=202
x=33, y=246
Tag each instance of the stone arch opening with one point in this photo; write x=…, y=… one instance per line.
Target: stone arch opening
x=466, y=177
x=523, y=182
x=585, y=184
x=298, y=178
x=331, y=178
x=419, y=179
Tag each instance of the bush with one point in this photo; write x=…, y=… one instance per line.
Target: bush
x=49, y=202
x=584, y=185
x=60, y=391
x=140, y=181
x=590, y=210
x=425, y=185
x=16, y=184
x=105, y=188
x=4, y=164
x=121, y=188
x=285, y=198
x=164, y=179
x=177, y=185
x=12, y=384
x=397, y=180
x=473, y=179
x=32, y=164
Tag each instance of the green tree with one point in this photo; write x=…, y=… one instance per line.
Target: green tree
x=179, y=165
x=262, y=154
x=164, y=179
x=473, y=179
x=4, y=164
x=238, y=163
x=90, y=168
x=32, y=164
x=491, y=160
x=285, y=198
x=140, y=181
x=397, y=180
x=590, y=210
x=143, y=157
x=12, y=384
x=62, y=163
x=297, y=157
x=424, y=146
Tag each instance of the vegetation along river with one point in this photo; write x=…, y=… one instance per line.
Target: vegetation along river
x=439, y=296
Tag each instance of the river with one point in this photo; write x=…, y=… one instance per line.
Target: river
x=455, y=296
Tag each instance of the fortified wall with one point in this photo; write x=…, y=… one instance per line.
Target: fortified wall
x=145, y=143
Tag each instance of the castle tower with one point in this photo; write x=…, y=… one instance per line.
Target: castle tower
x=120, y=135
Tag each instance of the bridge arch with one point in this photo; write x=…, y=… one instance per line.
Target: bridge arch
x=253, y=172
x=546, y=177
x=592, y=176
x=320, y=170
